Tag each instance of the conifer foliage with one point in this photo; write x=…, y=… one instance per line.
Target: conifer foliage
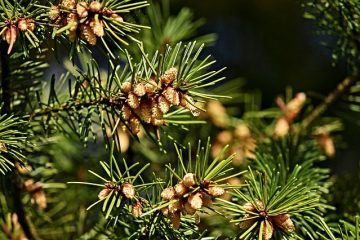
x=135, y=140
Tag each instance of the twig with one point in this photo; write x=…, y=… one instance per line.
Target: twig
x=108, y=101
x=340, y=89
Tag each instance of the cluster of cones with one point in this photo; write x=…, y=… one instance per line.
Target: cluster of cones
x=14, y=27
x=187, y=197
x=37, y=192
x=241, y=143
x=148, y=101
x=127, y=190
x=35, y=189
x=82, y=19
x=256, y=211
x=290, y=112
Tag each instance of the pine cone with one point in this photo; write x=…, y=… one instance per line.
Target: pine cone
x=87, y=34
x=168, y=193
x=82, y=9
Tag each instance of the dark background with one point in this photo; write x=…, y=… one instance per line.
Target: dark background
x=270, y=45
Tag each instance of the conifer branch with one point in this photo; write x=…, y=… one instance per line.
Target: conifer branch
x=6, y=98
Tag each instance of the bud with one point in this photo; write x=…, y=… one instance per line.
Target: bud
x=150, y=86
x=328, y=146
x=137, y=209
x=23, y=169
x=22, y=25
x=87, y=34
x=97, y=27
x=175, y=220
x=281, y=127
x=169, y=76
x=175, y=207
x=217, y=114
x=268, y=230
x=116, y=17
x=172, y=95
x=216, y=191
x=168, y=193
x=284, y=222
x=30, y=24
x=134, y=125
x=195, y=200
x=133, y=100
x=249, y=207
x=37, y=194
x=242, y=131
x=325, y=141
x=104, y=193
x=189, y=180
x=224, y=137
x=95, y=6
x=126, y=87
x=10, y=37
x=296, y=103
x=128, y=190
x=3, y=147
x=155, y=110
x=188, y=209
x=40, y=199
x=81, y=9
x=145, y=111
x=70, y=4
x=126, y=112
x=180, y=189
x=164, y=104
x=54, y=13
x=254, y=206
x=29, y=185
x=139, y=89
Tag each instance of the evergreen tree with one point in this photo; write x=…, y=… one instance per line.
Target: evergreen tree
x=137, y=135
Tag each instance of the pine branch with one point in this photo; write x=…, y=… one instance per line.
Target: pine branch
x=6, y=98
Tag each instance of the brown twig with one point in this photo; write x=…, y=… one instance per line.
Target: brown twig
x=340, y=90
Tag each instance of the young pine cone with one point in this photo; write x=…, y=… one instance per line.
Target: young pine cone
x=82, y=9
x=97, y=27
x=128, y=190
x=137, y=209
x=284, y=222
x=87, y=34
x=172, y=95
x=95, y=6
x=216, y=191
x=134, y=125
x=195, y=200
x=180, y=189
x=169, y=76
x=168, y=193
x=189, y=180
